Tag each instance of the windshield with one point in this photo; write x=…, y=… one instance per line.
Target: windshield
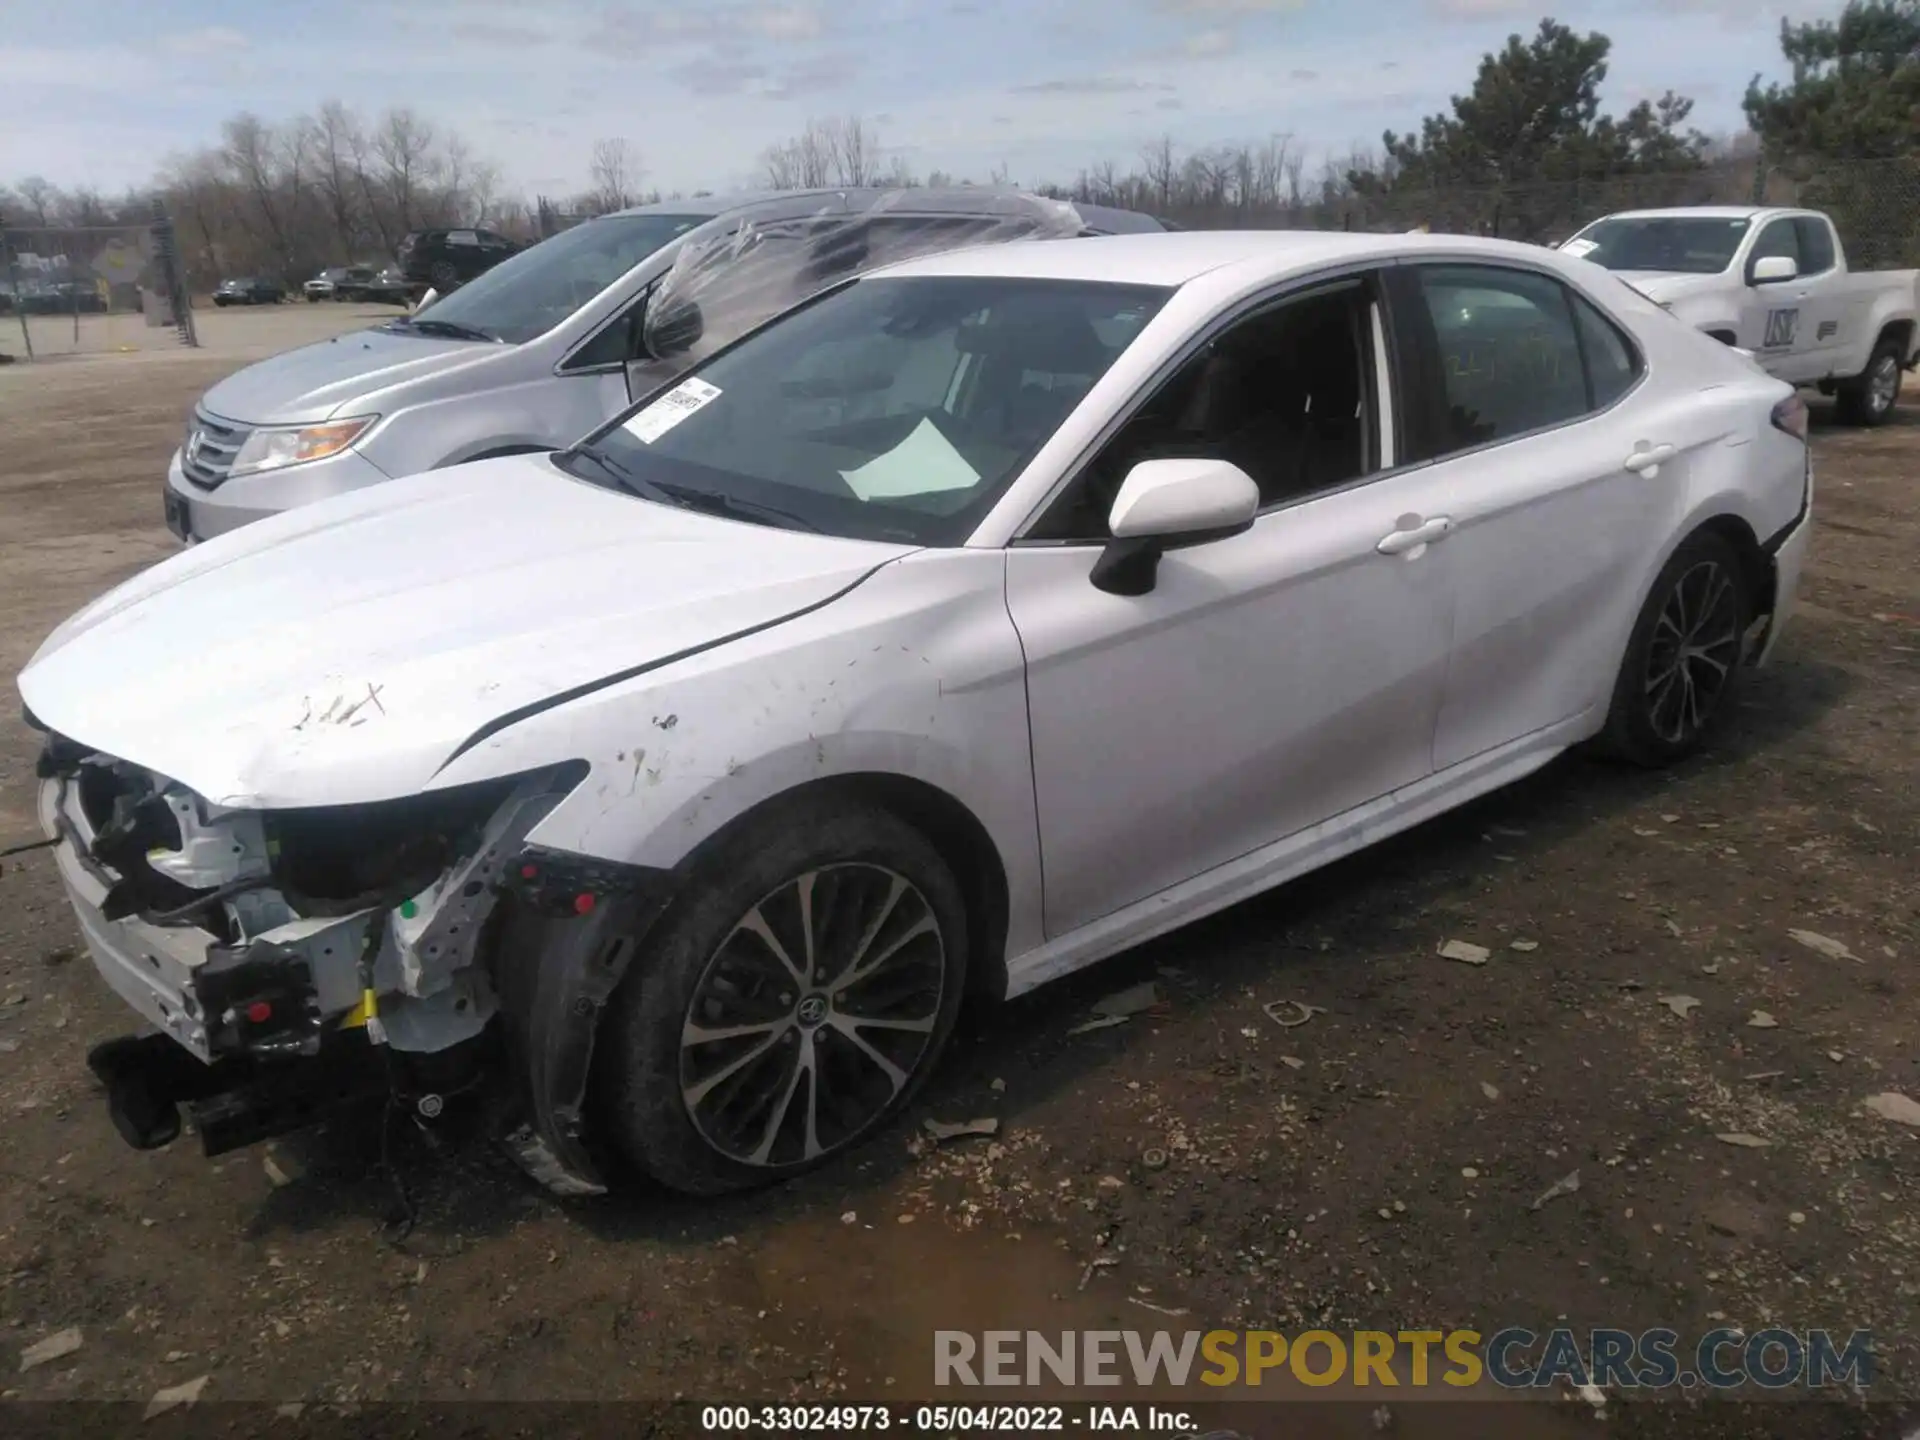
x=892, y=409
x=1686, y=245
x=530, y=293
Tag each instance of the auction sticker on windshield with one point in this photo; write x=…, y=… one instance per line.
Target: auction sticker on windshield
x=688, y=397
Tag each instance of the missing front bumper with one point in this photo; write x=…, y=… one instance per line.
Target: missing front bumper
x=239, y=1101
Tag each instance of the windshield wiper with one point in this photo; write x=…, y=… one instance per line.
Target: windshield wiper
x=445, y=329
x=622, y=477
x=714, y=502
x=685, y=497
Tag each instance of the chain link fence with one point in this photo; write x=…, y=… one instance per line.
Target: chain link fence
x=1875, y=205
x=91, y=289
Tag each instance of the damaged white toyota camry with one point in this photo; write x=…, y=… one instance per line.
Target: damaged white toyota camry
x=979, y=618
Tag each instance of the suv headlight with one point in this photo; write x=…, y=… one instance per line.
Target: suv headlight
x=276, y=447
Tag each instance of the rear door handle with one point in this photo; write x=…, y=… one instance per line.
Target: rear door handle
x=1646, y=459
x=1416, y=537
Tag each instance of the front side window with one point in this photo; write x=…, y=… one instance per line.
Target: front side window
x=530, y=292
x=1284, y=394
x=891, y=409
x=1682, y=245
x=1815, y=240
x=1507, y=353
x=1781, y=238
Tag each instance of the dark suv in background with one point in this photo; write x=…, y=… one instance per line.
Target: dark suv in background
x=446, y=258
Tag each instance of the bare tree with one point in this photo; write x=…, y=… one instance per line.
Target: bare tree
x=615, y=171
x=1160, y=168
x=41, y=197
x=853, y=149
x=404, y=145
x=249, y=149
x=336, y=136
x=806, y=162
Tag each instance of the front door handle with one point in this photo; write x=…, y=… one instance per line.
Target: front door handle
x=1647, y=459
x=1415, y=535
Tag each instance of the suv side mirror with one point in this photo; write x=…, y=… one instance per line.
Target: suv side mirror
x=1773, y=269
x=1171, y=505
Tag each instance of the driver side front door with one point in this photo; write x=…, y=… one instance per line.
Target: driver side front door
x=1266, y=684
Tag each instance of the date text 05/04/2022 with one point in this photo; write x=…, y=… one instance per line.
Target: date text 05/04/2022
x=947, y=1419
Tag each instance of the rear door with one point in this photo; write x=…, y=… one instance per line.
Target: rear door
x=1558, y=467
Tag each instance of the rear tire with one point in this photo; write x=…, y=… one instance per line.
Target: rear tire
x=1869, y=398
x=819, y=1058
x=1683, y=661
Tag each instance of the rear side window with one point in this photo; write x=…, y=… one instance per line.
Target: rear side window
x=1612, y=365
x=1816, y=244
x=1504, y=353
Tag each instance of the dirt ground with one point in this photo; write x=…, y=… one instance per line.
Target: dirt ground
x=236, y=332
x=1376, y=1167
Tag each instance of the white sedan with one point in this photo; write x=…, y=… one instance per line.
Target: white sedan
x=977, y=620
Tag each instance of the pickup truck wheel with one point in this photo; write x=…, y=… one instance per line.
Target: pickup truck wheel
x=1683, y=660
x=1869, y=398
x=789, y=1003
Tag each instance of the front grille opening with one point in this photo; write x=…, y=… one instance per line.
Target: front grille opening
x=211, y=446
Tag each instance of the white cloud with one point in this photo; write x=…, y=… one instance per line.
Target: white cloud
x=1210, y=42
x=1481, y=9
x=211, y=37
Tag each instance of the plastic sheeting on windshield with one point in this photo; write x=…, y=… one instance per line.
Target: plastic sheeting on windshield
x=720, y=288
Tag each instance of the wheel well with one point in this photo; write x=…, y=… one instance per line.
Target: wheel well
x=1901, y=330
x=953, y=830
x=1756, y=566
x=1725, y=337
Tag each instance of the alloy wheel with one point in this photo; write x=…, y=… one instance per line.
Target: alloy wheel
x=813, y=1015
x=1883, y=384
x=1696, y=643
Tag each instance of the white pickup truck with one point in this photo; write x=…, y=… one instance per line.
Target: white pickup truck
x=1775, y=283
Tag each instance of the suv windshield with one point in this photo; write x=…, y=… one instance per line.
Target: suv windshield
x=530, y=293
x=1687, y=245
x=890, y=409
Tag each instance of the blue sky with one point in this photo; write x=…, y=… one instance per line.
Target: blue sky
x=100, y=92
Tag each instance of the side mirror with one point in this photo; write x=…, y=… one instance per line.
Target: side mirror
x=672, y=333
x=1170, y=505
x=1772, y=269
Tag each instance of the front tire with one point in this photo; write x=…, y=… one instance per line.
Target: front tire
x=1869, y=398
x=1683, y=661
x=790, y=1002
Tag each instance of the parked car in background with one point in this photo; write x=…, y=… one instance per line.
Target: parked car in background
x=62, y=297
x=337, y=283
x=250, y=290
x=388, y=287
x=445, y=259
x=544, y=348
x=1775, y=283
x=979, y=618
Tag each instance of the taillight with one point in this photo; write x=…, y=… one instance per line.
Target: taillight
x=1790, y=415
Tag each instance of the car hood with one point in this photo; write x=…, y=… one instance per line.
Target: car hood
x=316, y=381
x=343, y=651
x=1665, y=287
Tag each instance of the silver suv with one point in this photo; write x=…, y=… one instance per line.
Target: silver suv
x=530, y=356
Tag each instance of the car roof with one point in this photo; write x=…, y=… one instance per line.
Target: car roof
x=1173, y=258
x=919, y=200
x=1708, y=212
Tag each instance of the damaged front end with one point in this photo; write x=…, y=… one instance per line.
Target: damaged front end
x=297, y=961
